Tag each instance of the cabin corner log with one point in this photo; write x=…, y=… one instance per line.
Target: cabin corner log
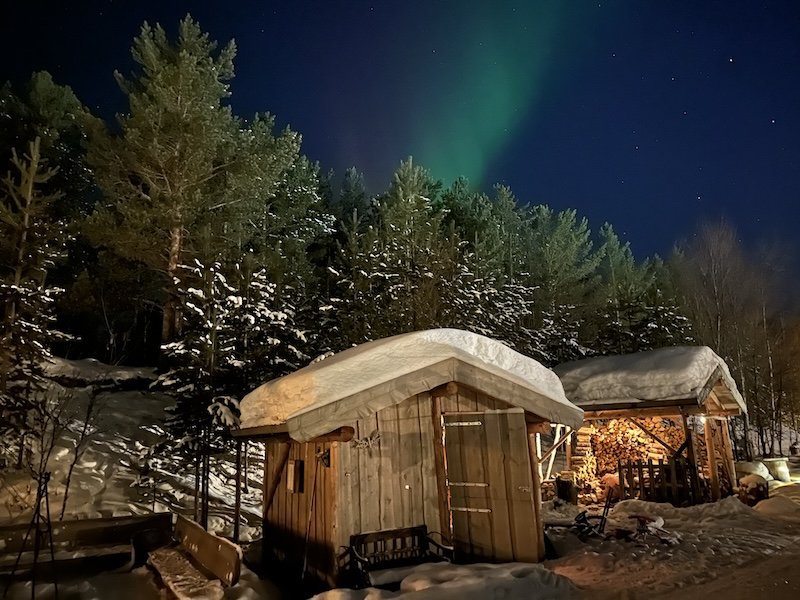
x=539, y=427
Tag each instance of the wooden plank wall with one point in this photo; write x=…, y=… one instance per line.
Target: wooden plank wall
x=393, y=483
x=292, y=515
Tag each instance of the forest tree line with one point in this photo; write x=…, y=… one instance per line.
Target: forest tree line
x=190, y=237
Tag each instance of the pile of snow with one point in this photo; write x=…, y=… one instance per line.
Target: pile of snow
x=665, y=374
x=511, y=581
x=365, y=379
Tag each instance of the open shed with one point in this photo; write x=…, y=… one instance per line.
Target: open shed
x=671, y=406
x=427, y=428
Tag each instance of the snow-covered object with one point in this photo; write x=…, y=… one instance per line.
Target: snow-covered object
x=662, y=375
x=444, y=581
x=778, y=468
x=753, y=468
x=753, y=489
x=365, y=379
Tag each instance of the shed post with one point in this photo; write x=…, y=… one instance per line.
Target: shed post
x=728, y=452
x=441, y=475
x=237, y=509
x=712, y=458
x=687, y=432
x=537, y=493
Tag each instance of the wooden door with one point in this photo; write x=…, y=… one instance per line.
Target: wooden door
x=490, y=486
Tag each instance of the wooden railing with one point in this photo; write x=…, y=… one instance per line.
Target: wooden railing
x=670, y=481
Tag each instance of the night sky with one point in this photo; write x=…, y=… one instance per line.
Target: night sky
x=654, y=116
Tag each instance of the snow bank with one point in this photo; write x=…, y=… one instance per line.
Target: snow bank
x=779, y=506
x=365, y=379
x=510, y=581
x=89, y=371
x=665, y=374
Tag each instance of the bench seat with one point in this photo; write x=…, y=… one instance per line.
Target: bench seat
x=182, y=578
x=382, y=558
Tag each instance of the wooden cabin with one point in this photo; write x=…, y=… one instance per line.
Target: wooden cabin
x=675, y=403
x=427, y=428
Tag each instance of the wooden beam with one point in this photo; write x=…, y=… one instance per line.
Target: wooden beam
x=537, y=437
x=552, y=451
x=343, y=434
x=441, y=472
x=556, y=445
x=675, y=405
x=536, y=481
x=728, y=453
x=282, y=459
x=539, y=427
x=651, y=434
x=691, y=457
x=446, y=390
x=711, y=454
x=261, y=432
x=667, y=411
x=569, y=451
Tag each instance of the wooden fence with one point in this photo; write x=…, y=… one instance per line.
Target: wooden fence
x=672, y=481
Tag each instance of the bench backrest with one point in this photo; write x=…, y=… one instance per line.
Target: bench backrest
x=83, y=533
x=220, y=557
x=392, y=544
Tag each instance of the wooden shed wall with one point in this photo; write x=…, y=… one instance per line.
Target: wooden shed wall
x=293, y=514
x=393, y=483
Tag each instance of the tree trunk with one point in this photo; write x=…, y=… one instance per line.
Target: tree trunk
x=170, y=326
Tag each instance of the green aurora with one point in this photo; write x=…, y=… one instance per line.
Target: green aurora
x=499, y=64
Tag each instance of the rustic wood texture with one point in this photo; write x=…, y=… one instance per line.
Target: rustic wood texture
x=711, y=458
x=299, y=527
x=490, y=486
x=537, y=497
x=216, y=554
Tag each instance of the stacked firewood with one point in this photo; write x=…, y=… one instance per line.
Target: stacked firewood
x=619, y=439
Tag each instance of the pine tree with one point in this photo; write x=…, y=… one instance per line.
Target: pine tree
x=164, y=170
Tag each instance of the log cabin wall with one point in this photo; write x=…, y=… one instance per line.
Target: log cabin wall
x=307, y=511
x=387, y=474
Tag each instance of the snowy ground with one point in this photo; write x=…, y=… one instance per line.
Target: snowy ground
x=104, y=482
x=725, y=550
x=718, y=543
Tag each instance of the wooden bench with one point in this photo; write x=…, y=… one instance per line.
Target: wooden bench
x=382, y=558
x=198, y=564
x=83, y=544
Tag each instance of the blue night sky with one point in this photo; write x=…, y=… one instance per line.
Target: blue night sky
x=653, y=116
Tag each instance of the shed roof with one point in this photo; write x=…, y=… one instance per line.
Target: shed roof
x=362, y=380
x=663, y=377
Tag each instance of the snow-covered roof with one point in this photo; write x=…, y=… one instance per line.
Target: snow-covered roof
x=360, y=381
x=670, y=376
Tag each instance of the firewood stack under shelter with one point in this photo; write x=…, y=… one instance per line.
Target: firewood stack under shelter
x=647, y=419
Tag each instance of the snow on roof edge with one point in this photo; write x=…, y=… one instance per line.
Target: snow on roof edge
x=661, y=375
x=347, y=385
